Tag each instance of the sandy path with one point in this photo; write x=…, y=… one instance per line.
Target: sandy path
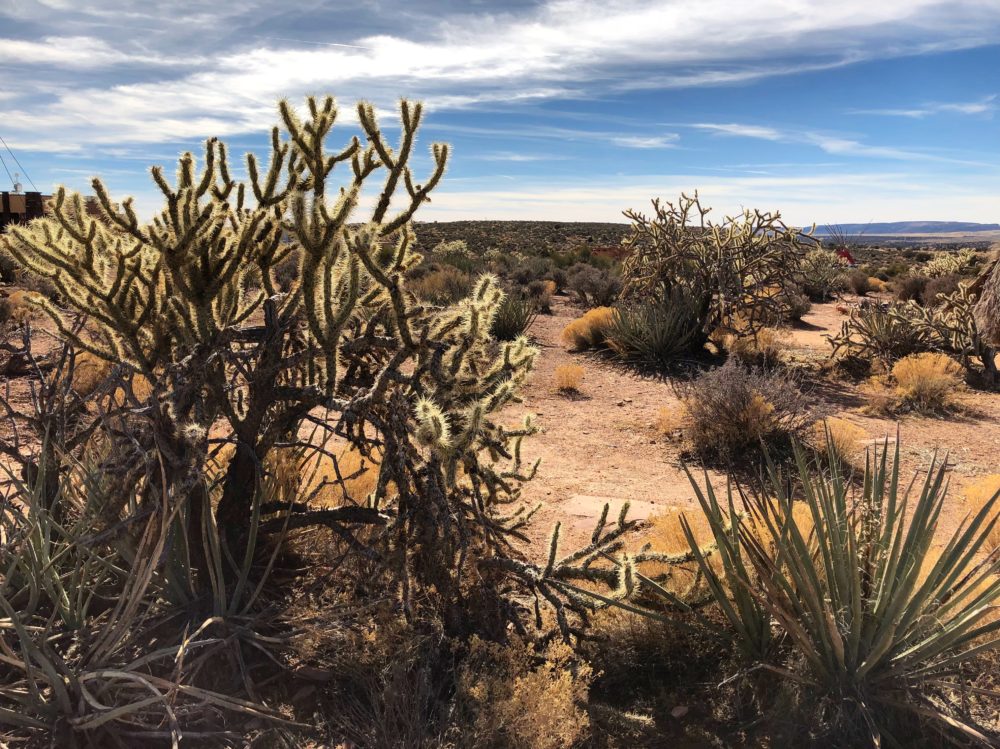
x=602, y=446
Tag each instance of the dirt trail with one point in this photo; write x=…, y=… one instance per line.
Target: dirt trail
x=603, y=446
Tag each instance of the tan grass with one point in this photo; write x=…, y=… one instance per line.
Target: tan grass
x=523, y=699
x=845, y=439
x=978, y=494
x=670, y=421
x=927, y=381
x=589, y=330
x=568, y=378
x=763, y=348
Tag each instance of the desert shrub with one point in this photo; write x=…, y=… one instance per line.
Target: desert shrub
x=141, y=529
x=568, y=377
x=540, y=292
x=513, y=317
x=733, y=410
x=443, y=287
x=910, y=287
x=456, y=254
x=978, y=495
x=593, y=287
x=797, y=307
x=762, y=349
x=838, y=439
x=927, y=381
x=821, y=274
x=938, y=287
x=588, y=331
x=879, y=334
x=532, y=268
x=286, y=272
x=742, y=267
x=655, y=332
x=522, y=700
x=859, y=282
x=866, y=620
x=559, y=277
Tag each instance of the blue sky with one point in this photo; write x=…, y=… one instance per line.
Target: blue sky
x=844, y=111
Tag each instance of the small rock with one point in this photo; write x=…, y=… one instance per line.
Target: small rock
x=679, y=712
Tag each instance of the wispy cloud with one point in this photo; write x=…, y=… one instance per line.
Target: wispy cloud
x=834, y=144
x=985, y=105
x=743, y=131
x=652, y=141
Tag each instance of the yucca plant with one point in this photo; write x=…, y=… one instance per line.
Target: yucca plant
x=655, y=332
x=876, y=621
x=86, y=660
x=513, y=317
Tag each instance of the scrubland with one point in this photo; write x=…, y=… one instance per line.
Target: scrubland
x=277, y=471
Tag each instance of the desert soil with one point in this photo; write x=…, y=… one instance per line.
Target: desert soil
x=603, y=446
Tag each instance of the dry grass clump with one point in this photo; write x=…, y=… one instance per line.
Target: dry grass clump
x=762, y=349
x=880, y=396
x=844, y=439
x=444, y=286
x=928, y=381
x=732, y=410
x=568, y=378
x=588, y=331
x=977, y=494
x=669, y=421
x=925, y=382
x=521, y=699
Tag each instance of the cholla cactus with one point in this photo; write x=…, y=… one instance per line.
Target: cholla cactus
x=740, y=269
x=950, y=263
x=190, y=302
x=898, y=330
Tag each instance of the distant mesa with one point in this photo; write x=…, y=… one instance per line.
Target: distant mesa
x=906, y=227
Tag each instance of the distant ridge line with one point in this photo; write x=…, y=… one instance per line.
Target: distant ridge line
x=908, y=227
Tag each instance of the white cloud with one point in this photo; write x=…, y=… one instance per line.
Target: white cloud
x=823, y=197
x=77, y=52
x=554, y=50
x=652, y=141
x=981, y=106
x=743, y=131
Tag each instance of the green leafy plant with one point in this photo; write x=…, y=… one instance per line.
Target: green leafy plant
x=513, y=317
x=654, y=332
x=877, y=619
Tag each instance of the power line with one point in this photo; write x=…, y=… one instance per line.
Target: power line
x=25, y=171
x=6, y=169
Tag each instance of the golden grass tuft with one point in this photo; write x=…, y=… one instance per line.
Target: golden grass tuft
x=927, y=381
x=977, y=494
x=589, y=330
x=310, y=475
x=568, y=378
x=764, y=348
x=670, y=421
x=845, y=439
